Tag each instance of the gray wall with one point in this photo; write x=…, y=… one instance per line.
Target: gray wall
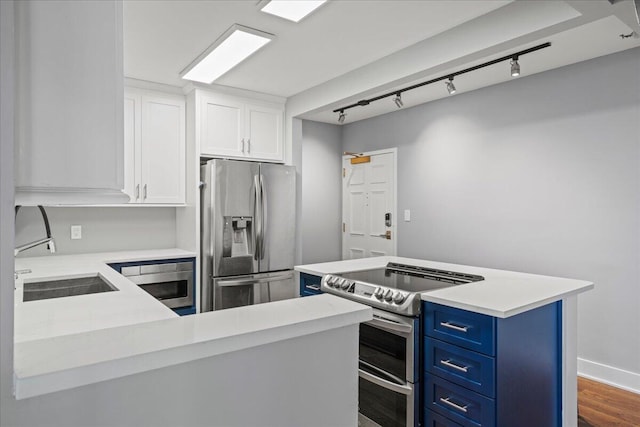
x=540, y=174
x=104, y=229
x=282, y=384
x=7, y=133
x=321, y=188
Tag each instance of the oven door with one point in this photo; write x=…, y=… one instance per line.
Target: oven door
x=387, y=390
x=173, y=289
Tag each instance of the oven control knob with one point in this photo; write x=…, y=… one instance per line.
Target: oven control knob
x=345, y=284
x=331, y=281
x=388, y=295
x=398, y=298
x=378, y=293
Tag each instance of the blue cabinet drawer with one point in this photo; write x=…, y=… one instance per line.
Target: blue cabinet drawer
x=309, y=284
x=467, y=368
x=431, y=419
x=460, y=405
x=460, y=327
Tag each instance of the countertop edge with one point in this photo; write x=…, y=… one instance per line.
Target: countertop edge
x=503, y=314
x=332, y=314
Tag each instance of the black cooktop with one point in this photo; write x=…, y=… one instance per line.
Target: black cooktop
x=411, y=278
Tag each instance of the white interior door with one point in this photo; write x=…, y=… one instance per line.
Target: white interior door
x=369, y=205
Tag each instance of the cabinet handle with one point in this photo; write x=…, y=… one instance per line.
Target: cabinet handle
x=137, y=191
x=454, y=327
x=313, y=287
x=450, y=364
x=144, y=191
x=447, y=401
x=248, y=146
x=243, y=145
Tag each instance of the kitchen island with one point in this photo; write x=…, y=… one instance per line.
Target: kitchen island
x=526, y=326
x=126, y=359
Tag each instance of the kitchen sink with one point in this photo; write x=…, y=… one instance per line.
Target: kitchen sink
x=65, y=288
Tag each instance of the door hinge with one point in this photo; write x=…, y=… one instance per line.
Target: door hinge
x=344, y=172
x=343, y=227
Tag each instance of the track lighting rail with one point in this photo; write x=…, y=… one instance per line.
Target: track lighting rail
x=513, y=57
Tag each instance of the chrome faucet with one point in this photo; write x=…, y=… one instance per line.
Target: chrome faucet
x=47, y=240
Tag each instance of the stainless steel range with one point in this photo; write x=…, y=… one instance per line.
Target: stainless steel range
x=388, y=365
x=395, y=288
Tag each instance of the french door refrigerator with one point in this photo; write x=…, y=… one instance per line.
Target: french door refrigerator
x=247, y=233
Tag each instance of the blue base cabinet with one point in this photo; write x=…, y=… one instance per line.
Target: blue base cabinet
x=484, y=371
x=309, y=285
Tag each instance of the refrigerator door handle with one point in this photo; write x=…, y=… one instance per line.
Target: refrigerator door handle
x=251, y=281
x=263, y=215
x=257, y=229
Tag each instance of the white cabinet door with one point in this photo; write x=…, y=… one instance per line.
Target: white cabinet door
x=70, y=116
x=131, y=144
x=162, y=157
x=222, y=132
x=264, y=132
x=154, y=147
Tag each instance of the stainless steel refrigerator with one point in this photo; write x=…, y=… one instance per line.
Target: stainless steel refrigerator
x=248, y=233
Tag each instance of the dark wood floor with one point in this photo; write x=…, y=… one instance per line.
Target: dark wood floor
x=600, y=405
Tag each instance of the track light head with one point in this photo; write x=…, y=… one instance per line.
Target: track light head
x=398, y=100
x=451, y=88
x=341, y=117
x=515, y=67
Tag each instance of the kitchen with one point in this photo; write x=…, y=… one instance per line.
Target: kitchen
x=601, y=89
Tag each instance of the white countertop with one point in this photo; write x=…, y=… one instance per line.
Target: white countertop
x=501, y=293
x=62, y=316
x=53, y=364
x=63, y=343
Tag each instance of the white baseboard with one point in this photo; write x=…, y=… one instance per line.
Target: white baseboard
x=616, y=377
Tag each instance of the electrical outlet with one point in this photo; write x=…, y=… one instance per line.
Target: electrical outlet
x=76, y=232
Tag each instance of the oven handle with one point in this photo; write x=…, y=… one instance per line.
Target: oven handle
x=390, y=325
x=397, y=388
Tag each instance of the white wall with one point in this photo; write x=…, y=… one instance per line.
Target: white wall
x=104, y=229
x=321, y=178
x=541, y=175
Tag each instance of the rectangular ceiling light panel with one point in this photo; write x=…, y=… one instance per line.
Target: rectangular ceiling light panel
x=233, y=47
x=293, y=10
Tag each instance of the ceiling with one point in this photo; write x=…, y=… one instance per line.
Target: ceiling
x=354, y=49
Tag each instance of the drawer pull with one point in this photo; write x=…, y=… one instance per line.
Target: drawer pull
x=450, y=364
x=447, y=401
x=454, y=327
x=313, y=287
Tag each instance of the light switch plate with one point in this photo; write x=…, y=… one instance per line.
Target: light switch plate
x=407, y=215
x=76, y=232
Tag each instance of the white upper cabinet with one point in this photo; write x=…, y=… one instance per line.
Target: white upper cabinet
x=69, y=102
x=154, y=147
x=263, y=130
x=240, y=128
